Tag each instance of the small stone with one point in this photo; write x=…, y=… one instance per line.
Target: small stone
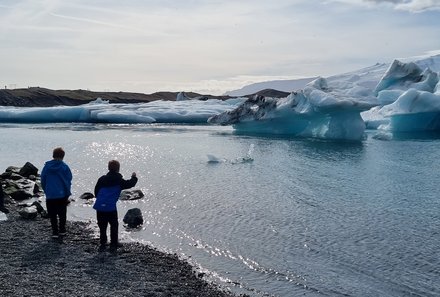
x=28, y=213
x=131, y=195
x=87, y=196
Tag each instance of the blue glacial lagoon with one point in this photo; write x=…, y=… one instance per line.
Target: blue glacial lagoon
x=273, y=216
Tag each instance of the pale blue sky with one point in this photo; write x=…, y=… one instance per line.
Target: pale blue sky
x=206, y=46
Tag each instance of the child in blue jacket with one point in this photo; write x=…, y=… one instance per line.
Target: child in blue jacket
x=107, y=191
x=56, y=180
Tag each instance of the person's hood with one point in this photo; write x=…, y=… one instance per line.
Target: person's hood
x=54, y=165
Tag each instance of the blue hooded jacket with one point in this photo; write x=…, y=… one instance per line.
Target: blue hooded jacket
x=108, y=188
x=56, y=179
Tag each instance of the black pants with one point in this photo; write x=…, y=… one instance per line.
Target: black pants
x=2, y=204
x=105, y=218
x=57, y=209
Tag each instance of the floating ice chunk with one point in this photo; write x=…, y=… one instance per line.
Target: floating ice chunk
x=98, y=100
x=320, y=110
x=214, y=159
x=99, y=111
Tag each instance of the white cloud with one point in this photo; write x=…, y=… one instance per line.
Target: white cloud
x=406, y=5
x=199, y=45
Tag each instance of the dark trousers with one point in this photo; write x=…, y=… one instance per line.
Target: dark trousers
x=2, y=203
x=105, y=218
x=57, y=209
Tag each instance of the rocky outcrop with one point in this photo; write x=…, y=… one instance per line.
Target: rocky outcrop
x=20, y=184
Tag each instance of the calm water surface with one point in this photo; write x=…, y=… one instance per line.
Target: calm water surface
x=274, y=217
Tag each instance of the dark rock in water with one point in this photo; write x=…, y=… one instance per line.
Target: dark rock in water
x=133, y=218
x=87, y=196
x=28, y=169
x=28, y=212
x=38, y=206
x=131, y=195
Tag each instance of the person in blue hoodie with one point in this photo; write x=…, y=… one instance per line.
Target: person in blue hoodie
x=56, y=180
x=107, y=191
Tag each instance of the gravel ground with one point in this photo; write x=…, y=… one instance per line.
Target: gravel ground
x=33, y=264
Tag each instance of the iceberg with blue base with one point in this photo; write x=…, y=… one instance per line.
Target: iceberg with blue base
x=320, y=110
x=409, y=99
x=99, y=111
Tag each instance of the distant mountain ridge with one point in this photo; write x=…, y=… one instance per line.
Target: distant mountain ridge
x=42, y=97
x=288, y=86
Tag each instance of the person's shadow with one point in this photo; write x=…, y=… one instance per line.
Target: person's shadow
x=104, y=264
x=42, y=255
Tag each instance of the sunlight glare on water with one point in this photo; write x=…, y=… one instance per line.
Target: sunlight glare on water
x=273, y=216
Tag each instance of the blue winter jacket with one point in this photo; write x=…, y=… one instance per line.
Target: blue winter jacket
x=56, y=179
x=108, y=188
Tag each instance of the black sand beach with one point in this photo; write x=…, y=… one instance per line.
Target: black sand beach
x=33, y=264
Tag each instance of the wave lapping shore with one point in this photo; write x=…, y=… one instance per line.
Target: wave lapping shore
x=33, y=264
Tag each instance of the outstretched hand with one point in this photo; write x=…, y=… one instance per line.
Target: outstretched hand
x=133, y=174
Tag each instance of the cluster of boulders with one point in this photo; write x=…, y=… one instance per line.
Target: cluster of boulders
x=23, y=184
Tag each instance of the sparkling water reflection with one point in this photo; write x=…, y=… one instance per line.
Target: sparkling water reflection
x=280, y=217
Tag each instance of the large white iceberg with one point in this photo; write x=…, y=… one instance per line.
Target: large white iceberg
x=319, y=110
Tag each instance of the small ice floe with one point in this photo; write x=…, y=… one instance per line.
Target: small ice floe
x=214, y=159
x=3, y=216
x=246, y=159
x=240, y=160
x=383, y=136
